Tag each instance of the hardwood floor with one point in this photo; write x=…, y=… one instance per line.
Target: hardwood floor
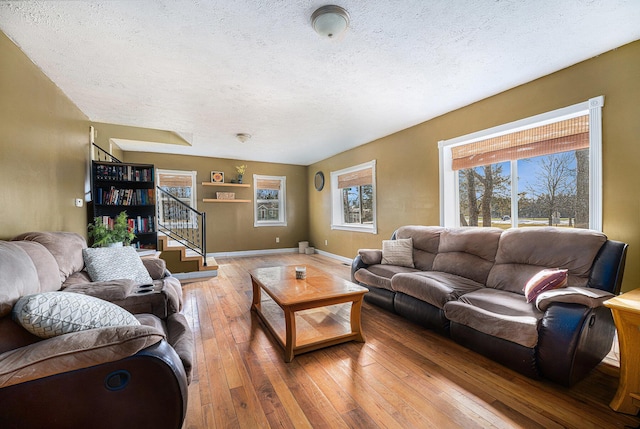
x=404, y=376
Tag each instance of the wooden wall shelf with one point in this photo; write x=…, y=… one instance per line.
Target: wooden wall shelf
x=214, y=200
x=231, y=185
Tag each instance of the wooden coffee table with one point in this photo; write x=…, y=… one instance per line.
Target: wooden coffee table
x=318, y=291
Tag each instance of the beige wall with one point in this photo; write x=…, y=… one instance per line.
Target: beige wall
x=230, y=225
x=407, y=162
x=44, y=149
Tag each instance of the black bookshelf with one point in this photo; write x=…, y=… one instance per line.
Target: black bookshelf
x=117, y=187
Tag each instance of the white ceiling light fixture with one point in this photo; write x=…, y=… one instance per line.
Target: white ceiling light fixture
x=329, y=21
x=243, y=137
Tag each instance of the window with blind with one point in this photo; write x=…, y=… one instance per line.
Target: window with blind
x=180, y=184
x=544, y=170
x=353, y=192
x=269, y=203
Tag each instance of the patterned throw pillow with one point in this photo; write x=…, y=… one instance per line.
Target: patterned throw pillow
x=552, y=278
x=51, y=314
x=398, y=252
x=111, y=263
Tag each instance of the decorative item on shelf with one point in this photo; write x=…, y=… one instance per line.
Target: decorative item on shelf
x=107, y=232
x=217, y=176
x=226, y=195
x=241, y=169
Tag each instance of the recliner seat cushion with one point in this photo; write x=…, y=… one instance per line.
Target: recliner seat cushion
x=18, y=276
x=434, y=287
x=497, y=313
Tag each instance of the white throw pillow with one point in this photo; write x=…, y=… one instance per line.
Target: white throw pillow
x=111, y=263
x=51, y=314
x=398, y=252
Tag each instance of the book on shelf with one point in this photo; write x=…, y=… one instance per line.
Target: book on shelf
x=125, y=197
x=129, y=173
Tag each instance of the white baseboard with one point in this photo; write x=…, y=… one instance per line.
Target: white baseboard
x=242, y=253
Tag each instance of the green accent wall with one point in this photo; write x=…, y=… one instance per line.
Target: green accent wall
x=407, y=162
x=230, y=225
x=44, y=150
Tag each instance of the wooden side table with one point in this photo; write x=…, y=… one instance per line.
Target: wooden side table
x=626, y=314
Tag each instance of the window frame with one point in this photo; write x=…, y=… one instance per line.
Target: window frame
x=193, y=200
x=337, y=222
x=282, y=201
x=449, y=191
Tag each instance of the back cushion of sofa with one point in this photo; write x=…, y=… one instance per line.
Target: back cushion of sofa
x=467, y=252
x=426, y=240
x=45, y=264
x=523, y=252
x=18, y=276
x=66, y=248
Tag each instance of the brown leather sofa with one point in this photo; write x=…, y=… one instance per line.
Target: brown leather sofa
x=106, y=377
x=467, y=283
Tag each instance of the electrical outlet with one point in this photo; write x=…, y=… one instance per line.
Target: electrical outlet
x=326, y=242
x=277, y=239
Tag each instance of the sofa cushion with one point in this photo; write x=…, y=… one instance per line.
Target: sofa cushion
x=66, y=248
x=380, y=275
x=425, y=243
x=50, y=314
x=433, y=287
x=18, y=276
x=497, y=313
x=370, y=256
x=398, y=252
x=548, y=279
x=45, y=264
x=525, y=251
x=467, y=252
x=156, y=267
x=109, y=263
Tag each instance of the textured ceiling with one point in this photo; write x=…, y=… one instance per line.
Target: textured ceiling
x=209, y=69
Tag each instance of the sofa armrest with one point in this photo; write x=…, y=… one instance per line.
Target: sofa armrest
x=74, y=351
x=156, y=267
x=370, y=256
x=588, y=297
x=112, y=290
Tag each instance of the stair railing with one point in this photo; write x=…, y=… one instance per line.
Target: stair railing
x=102, y=155
x=181, y=222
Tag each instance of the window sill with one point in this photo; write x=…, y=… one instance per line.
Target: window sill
x=355, y=228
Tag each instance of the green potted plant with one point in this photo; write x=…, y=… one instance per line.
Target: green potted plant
x=104, y=236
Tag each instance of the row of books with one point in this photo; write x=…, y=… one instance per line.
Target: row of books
x=138, y=224
x=124, y=172
x=124, y=197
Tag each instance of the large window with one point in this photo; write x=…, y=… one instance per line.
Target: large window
x=353, y=192
x=543, y=170
x=270, y=203
x=180, y=184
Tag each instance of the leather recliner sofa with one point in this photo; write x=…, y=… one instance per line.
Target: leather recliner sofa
x=467, y=283
x=106, y=377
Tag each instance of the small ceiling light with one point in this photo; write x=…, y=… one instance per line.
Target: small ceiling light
x=243, y=137
x=329, y=21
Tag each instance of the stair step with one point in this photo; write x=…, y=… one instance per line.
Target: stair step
x=187, y=256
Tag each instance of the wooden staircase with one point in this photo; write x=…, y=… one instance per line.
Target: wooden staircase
x=183, y=263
